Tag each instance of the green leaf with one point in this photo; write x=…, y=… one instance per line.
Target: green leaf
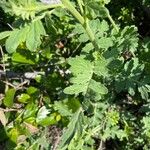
x=83, y=38
x=100, y=67
x=105, y=1
x=83, y=71
x=44, y=117
x=97, y=10
x=31, y=34
x=75, y=89
x=16, y=37
x=9, y=97
x=33, y=39
x=104, y=26
x=71, y=130
x=24, y=98
x=73, y=104
x=129, y=77
x=24, y=57
x=32, y=90
x=88, y=47
x=30, y=111
x=144, y=91
x=4, y=34
x=146, y=127
x=26, y=9
x=105, y=42
x=97, y=87
x=78, y=29
x=43, y=143
x=99, y=27
x=62, y=108
x=13, y=134
x=128, y=39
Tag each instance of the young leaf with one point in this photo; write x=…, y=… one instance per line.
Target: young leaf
x=30, y=111
x=24, y=98
x=9, y=97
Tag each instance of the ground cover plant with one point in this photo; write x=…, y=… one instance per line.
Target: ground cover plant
x=74, y=75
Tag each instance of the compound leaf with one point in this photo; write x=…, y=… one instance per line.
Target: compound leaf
x=83, y=71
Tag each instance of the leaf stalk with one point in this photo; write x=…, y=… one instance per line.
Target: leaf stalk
x=112, y=21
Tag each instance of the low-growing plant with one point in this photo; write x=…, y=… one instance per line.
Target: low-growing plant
x=74, y=76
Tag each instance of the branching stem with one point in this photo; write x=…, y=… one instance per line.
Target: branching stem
x=74, y=12
x=84, y=21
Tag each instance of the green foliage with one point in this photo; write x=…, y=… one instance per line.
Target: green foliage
x=4, y=34
x=83, y=71
x=71, y=130
x=74, y=75
x=30, y=34
x=26, y=9
x=9, y=97
x=44, y=118
x=24, y=56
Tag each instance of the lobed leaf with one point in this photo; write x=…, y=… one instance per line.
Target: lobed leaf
x=83, y=71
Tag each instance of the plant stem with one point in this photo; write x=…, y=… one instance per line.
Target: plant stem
x=84, y=21
x=80, y=3
x=4, y=68
x=112, y=21
x=74, y=12
x=89, y=31
x=90, y=34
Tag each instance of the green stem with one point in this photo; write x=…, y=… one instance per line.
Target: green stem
x=80, y=3
x=112, y=21
x=74, y=12
x=90, y=34
x=83, y=21
x=89, y=31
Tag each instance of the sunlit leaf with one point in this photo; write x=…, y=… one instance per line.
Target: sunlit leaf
x=9, y=97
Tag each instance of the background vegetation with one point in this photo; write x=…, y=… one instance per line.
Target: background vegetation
x=74, y=75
